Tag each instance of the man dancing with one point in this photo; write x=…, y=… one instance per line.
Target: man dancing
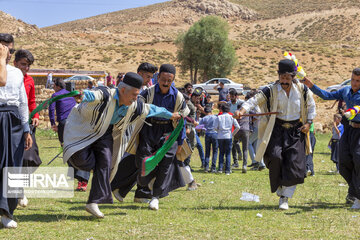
x=94, y=130
x=282, y=136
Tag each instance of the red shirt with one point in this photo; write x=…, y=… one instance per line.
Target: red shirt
x=30, y=93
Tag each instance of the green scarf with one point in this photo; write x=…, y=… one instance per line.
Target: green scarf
x=152, y=161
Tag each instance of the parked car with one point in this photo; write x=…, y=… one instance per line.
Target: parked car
x=336, y=87
x=79, y=77
x=209, y=85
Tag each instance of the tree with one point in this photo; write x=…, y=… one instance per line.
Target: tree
x=206, y=49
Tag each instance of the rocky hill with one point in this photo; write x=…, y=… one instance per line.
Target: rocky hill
x=15, y=26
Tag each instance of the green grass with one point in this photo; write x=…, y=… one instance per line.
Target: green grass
x=214, y=211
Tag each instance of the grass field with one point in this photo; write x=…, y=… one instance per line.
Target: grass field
x=214, y=211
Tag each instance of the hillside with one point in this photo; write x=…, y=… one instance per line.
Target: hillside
x=17, y=27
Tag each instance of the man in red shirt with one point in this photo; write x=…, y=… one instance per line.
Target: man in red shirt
x=23, y=60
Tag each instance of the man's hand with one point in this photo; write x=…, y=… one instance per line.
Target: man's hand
x=35, y=122
x=196, y=123
x=175, y=116
x=54, y=128
x=307, y=82
x=238, y=114
x=178, y=149
x=3, y=52
x=28, y=141
x=305, y=128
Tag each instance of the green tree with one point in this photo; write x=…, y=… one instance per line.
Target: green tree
x=205, y=49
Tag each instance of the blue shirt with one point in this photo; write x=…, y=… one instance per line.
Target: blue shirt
x=63, y=107
x=167, y=101
x=120, y=111
x=223, y=92
x=351, y=99
x=209, y=123
x=234, y=106
x=334, y=133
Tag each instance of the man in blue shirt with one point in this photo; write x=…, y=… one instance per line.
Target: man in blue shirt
x=349, y=159
x=163, y=94
x=223, y=91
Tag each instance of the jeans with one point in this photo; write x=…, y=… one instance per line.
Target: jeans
x=211, y=140
x=225, y=149
x=243, y=137
x=309, y=158
x=200, y=149
x=252, y=146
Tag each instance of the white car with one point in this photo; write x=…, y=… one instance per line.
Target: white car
x=209, y=85
x=79, y=77
x=336, y=87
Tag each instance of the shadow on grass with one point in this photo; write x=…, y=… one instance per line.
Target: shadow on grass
x=323, y=153
x=53, y=218
x=310, y=206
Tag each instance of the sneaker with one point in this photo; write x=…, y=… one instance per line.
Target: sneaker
x=227, y=173
x=117, y=195
x=206, y=169
x=213, y=170
x=220, y=171
x=356, y=204
x=261, y=168
x=84, y=185
x=93, y=209
x=23, y=202
x=8, y=222
x=235, y=165
x=244, y=169
x=350, y=199
x=79, y=186
x=308, y=173
x=255, y=164
x=283, y=203
x=154, y=204
x=141, y=200
x=192, y=186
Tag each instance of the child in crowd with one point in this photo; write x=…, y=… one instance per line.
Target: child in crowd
x=223, y=125
x=210, y=138
x=337, y=131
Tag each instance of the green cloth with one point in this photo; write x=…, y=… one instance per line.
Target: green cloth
x=312, y=127
x=152, y=161
x=45, y=104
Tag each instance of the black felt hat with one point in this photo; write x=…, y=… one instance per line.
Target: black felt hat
x=167, y=68
x=133, y=79
x=287, y=66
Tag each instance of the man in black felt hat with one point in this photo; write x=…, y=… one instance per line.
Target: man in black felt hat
x=94, y=129
x=152, y=135
x=283, y=141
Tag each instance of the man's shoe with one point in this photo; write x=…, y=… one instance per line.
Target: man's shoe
x=192, y=186
x=308, y=173
x=117, y=195
x=207, y=169
x=235, y=165
x=84, y=185
x=350, y=199
x=220, y=171
x=141, y=200
x=93, y=209
x=261, y=168
x=356, y=204
x=255, y=164
x=7, y=222
x=23, y=202
x=213, y=170
x=283, y=203
x=227, y=173
x=154, y=204
x=244, y=169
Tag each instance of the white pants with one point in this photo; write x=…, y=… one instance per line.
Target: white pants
x=186, y=174
x=286, y=191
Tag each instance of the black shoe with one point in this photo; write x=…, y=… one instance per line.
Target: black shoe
x=254, y=164
x=235, y=165
x=243, y=170
x=350, y=199
x=261, y=168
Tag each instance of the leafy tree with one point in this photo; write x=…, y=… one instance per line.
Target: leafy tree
x=206, y=49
